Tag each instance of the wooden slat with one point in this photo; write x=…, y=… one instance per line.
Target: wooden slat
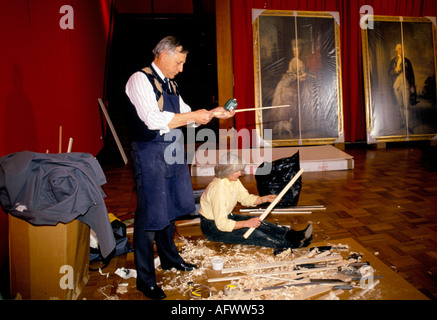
x=295, y=262
x=276, y=201
x=291, y=273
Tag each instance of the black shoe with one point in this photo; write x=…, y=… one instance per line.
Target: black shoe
x=184, y=266
x=308, y=236
x=299, y=238
x=294, y=237
x=154, y=292
x=307, y=242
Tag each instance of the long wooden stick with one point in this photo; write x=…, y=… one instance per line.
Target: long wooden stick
x=70, y=145
x=60, y=139
x=280, y=212
x=296, y=208
x=114, y=133
x=275, y=202
x=262, y=108
x=253, y=109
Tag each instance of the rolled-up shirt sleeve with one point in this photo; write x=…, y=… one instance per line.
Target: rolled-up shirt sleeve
x=244, y=197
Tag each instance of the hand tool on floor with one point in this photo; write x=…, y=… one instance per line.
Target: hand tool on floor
x=355, y=256
x=343, y=286
x=335, y=283
x=358, y=264
x=327, y=248
x=310, y=266
x=232, y=104
x=327, y=281
x=359, y=277
x=275, y=202
x=198, y=290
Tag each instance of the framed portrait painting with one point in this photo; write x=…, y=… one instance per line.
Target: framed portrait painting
x=297, y=66
x=399, y=67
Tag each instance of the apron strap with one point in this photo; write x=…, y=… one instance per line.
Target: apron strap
x=156, y=85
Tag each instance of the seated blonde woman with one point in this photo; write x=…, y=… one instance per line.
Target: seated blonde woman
x=219, y=224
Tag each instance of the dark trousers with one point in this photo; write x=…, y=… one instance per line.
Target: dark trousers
x=266, y=235
x=144, y=256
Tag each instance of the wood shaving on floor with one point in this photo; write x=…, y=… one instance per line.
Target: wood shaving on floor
x=107, y=289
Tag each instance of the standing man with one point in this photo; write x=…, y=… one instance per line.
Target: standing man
x=164, y=187
x=404, y=84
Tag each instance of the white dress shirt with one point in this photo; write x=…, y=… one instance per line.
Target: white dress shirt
x=141, y=94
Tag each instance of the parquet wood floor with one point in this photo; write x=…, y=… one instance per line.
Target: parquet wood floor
x=387, y=203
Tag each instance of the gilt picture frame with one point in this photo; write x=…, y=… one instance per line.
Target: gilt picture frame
x=297, y=65
x=399, y=68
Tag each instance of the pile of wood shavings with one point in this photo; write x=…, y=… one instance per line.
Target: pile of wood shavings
x=269, y=284
x=265, y=284
x=198, y=252
x=195, y=252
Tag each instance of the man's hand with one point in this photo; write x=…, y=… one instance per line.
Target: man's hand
x=182, y=119
x=203, y=116
x=222, y=113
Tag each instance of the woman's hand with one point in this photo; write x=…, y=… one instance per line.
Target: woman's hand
x=269, y=198
x=264, y=199
x=253, y=223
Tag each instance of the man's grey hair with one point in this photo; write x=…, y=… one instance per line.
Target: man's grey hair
x=228, y=165
x=169, y=44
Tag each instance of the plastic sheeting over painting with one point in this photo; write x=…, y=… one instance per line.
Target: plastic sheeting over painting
x=283, y=170
x=297, y=64
x=399, y=63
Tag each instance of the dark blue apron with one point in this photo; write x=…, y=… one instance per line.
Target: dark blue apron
x=163, y=179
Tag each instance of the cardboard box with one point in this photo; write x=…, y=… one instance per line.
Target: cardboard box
x=48, y=262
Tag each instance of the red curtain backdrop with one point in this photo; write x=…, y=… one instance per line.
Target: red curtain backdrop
x=350, y=38
x=52, y=77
